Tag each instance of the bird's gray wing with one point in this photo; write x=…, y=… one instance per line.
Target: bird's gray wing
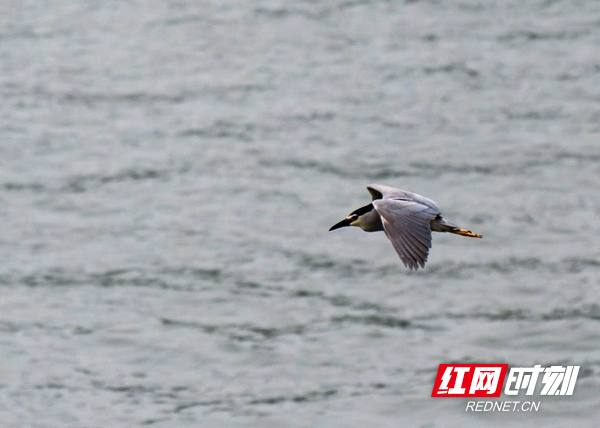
x=406, y=224
x=376, y=191
x=379, y=191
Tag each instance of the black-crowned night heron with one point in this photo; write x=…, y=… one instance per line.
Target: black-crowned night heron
x=406, y=218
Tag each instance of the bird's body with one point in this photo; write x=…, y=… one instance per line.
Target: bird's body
x=406, y=218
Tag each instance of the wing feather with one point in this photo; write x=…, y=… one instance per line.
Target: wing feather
x=406, y=224
x=379, y=191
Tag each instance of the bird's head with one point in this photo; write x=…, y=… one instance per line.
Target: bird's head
x=355, y=218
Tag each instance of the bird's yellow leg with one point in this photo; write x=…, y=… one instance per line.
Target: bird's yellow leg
x=465, y=232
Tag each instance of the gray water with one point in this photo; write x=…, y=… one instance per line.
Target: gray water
x=169, y=171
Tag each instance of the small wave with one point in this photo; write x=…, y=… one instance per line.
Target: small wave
x=173, y=278
x=529, y=35
x=306, y=397
x=238, y=332
x=379, y=320
x=284, y=13
x=369, y=173
x=452, y=68
x=315, y=116
x=435, y=170
x=84, y=183
x=340, y=300
x=509, y=265
x=90, y=98
x=19, y=187
x=32, y=34
x=441, y=169
x=223, y=129
x=589, y=312
x=187, y=19
x=552, y=113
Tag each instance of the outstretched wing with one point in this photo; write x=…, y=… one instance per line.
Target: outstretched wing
x=379, y=191
x=406, y=224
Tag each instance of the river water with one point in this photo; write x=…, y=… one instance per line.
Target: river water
x=169, y=171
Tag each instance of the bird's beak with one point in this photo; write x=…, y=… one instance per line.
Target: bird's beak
x=345, y=222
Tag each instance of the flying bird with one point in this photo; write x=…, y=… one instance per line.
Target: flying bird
x=407, y=220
